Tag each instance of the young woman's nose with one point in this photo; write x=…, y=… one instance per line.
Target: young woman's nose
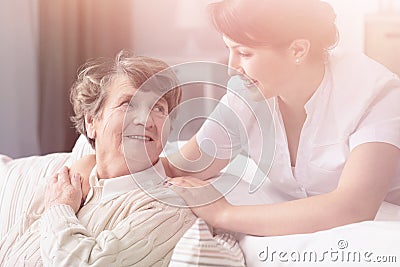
x=234, y=66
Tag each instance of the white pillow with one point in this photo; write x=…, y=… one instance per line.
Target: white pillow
x=198, y=247
x=4, y=160
x=19, y=178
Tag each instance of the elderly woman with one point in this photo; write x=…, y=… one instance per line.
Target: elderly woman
x=124, y=220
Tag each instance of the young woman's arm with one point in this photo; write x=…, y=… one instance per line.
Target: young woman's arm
x=191, y=161
x=363, y=185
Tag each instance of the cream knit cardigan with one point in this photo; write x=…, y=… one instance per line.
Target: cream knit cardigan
x=131, y=229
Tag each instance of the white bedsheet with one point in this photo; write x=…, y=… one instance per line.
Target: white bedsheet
x=370, y=243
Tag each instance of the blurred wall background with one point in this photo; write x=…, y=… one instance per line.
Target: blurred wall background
x=19, y=78
x=43, y=42
x=71, y=32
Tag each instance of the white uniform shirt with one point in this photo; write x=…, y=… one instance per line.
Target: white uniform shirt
x=357, y=102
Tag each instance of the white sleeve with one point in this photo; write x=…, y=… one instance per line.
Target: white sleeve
x=381, y=122
x=219, y=134
x=146, y=238
x=223, y=133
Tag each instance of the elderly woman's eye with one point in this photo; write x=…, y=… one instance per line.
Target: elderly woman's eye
x=126, y=104
x=160, y=109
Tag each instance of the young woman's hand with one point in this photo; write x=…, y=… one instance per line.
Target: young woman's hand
x=203, y=199
x=63, y=189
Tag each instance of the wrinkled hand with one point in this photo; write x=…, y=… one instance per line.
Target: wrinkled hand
x=202, y=198
x=63, y=189
x=85, y=188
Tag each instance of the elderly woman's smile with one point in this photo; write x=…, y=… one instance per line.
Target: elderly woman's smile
x=140, y=137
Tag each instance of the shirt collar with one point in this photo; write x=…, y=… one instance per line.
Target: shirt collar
x=151, y=177
x=319, y=93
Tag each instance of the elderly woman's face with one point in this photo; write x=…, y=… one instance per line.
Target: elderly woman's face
x=138, y=126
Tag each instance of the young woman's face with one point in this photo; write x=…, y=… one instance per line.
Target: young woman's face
x=132, y=125
x=268, y=69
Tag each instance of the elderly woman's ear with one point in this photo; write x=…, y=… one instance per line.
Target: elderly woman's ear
x=89, y=125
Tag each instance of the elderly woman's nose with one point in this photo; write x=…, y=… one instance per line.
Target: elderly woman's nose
x=139, y=116
x=142, y=116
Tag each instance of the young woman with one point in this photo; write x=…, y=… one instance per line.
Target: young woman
x=336, y=116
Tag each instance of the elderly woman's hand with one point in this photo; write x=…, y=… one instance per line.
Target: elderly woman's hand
x=63, y=189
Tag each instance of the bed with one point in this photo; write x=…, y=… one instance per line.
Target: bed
x=371, y=242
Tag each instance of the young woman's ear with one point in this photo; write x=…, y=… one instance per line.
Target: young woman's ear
x=300, y=48
x=90, y=127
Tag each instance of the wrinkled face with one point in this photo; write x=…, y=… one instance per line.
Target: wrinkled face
x=267, y=69
x=132, y=121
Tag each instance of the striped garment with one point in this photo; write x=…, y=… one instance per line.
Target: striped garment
x=198, y=247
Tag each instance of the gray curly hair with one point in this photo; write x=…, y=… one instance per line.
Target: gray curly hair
x=89, y=91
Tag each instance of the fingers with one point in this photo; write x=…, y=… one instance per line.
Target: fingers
x=194, y=191
x=76, y=181
x=54, y=178
x=63, y=176
x=64, y=190
x=60, y=176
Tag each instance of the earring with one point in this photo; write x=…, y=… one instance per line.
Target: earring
x=297, y=61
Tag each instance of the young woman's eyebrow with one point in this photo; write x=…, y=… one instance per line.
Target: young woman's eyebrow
x=235, y=46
